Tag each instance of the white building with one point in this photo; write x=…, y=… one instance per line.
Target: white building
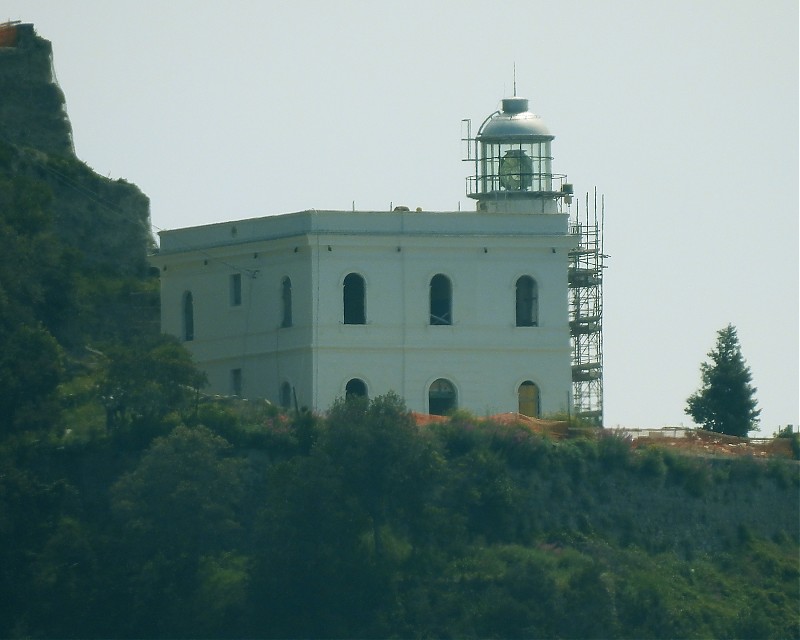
x=448, y=309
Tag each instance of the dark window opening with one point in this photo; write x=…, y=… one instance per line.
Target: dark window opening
x=236, y=382
x=286, y=395
x=441, y=311
x=236, y=289
x=354, y=298
x=527, y=302
x=286, y=301
x=441, y=398
x=528, y=399
x=355, y=388
x=188, y=316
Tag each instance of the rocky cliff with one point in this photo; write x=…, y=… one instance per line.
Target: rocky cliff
x=32, y=109
x=106, y=221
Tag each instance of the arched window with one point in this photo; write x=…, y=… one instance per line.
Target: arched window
x=286, y=302
x=354, y=298
x=441, y=311
x=441, y=398
x=528, y=395
x=527, y=302
x=188, y=317
x=286, y=395
x=355, y=388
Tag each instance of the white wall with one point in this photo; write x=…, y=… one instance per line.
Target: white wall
x=483, y=353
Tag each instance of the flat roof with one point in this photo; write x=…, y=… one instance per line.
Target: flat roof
x=388, y=223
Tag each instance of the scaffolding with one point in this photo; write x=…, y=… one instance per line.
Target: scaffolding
x=586, y=264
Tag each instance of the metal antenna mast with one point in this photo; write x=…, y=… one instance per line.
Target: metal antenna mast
x=515, y=78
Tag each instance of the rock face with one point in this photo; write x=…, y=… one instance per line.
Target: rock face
x=32, y=109
x=107, y=221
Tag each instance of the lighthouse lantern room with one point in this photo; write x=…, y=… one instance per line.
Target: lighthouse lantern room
x=513, y=163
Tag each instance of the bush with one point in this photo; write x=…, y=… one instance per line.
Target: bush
x=614, y=449
x=575, y=457
x=461, y=434
x=691, y=473
x=651, y=463
x=788, y=432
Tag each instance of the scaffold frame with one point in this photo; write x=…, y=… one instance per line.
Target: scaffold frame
x=585, y=276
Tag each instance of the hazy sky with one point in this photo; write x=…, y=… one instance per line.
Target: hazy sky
x=683, y=113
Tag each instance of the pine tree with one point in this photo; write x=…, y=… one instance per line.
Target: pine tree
x=726, y=401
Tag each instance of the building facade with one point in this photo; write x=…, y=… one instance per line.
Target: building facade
x=450, y=310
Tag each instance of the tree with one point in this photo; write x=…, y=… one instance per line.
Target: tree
x=31, y=366
x=340, y=520
x=178, y=534
x=145, y=380
x=726, y=401
x=313, y=573
x=384, y=461
x=36, y=268
x=184, y=494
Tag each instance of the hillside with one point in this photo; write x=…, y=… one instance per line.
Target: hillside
x=242, y=521
x=73, y=244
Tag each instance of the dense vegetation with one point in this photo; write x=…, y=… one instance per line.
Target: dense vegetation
x=132, y=507
x=242, y=521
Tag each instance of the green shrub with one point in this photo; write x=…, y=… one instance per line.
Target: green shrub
x=788, y=432
x=575, y=457
x=651, y=463
x=746, y=469
x=783, y=472
x=614, y=449
x=693, y=474
x=461, y=434
x=219, y=418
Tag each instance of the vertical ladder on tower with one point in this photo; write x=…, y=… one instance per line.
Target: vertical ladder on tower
x=585, y=277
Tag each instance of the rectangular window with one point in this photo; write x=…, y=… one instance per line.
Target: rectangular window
x=236, y=289
x=286, y=301
x=236, y=382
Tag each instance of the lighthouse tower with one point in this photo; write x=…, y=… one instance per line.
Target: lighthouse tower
x=512, y=174
x=513, y=163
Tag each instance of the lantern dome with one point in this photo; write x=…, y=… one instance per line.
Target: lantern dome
x=514, y=120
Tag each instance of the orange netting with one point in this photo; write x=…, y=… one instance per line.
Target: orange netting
x=696, y=442
x=553, y=428
x=702, y=442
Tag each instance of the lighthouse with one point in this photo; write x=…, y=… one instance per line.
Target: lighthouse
x=451, y=310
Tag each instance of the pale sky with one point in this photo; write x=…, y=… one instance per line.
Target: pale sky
x=684, y=114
